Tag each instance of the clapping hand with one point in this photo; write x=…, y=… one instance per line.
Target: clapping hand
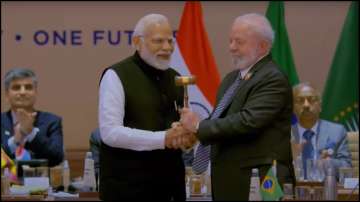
x=24, y=125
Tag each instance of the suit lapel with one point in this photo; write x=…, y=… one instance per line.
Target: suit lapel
x=247, y=78
x=295, y=133
x=322, y=136
x=238, y=90
x=8, y=124
x=38, y=120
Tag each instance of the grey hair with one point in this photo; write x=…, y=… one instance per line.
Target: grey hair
x=259, y=24
x=147, y=20
x=302, y=85
x=19, y=73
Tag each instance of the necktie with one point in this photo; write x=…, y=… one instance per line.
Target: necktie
x=202, y=155
x=308, y=149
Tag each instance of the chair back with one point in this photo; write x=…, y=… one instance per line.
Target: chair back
x=353, y=139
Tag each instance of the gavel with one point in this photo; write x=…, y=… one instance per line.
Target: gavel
x=185, y=81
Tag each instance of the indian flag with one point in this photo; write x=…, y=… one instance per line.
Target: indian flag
x=193, y=56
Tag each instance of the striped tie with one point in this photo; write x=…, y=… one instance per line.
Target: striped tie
x=202, y=155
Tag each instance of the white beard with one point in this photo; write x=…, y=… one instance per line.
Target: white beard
x=241, y=62
x=152, y=60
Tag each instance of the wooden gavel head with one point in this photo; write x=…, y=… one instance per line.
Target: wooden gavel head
x=184, y=80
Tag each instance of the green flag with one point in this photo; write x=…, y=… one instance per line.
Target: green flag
x=341, y=93
x=281, y=50
x=270, y=188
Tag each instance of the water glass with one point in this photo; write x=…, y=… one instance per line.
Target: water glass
x=28, y=171
x=298, y=167
x=42, y=171
x=320, y=170
x=315, y=170
x=302, y=192
x=208, y=184
x=311, y=169
x=317, y=193
x=195, y=184
x=56, y=176
x=345, y=173
x=188, y=173
x=288, y=191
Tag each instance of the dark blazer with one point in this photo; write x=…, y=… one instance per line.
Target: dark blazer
x=251, y=132
x=47, y=144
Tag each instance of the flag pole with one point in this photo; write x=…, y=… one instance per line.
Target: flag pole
x=274, y=168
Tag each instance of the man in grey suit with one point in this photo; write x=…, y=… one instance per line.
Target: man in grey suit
x=251, y=124
x=317, y=138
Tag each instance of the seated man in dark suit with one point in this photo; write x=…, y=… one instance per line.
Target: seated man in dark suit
x=27, y=133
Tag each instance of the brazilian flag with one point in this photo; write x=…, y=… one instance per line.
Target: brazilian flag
x=270, y=188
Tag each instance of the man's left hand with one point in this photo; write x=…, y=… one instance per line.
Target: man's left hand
x=189, y=120
x=26, y=120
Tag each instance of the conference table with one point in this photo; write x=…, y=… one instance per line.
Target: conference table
x=343, y=195
x=89, y=196
x=83, y=196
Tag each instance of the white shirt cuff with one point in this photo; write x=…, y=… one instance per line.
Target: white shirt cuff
x=160, y=141
x=12, y=145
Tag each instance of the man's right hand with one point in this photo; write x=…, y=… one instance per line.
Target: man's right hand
x=26, y=120
x=178, y=137
x=189, y=120
x=18, y=136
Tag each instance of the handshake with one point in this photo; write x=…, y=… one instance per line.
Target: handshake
x=182, y=133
